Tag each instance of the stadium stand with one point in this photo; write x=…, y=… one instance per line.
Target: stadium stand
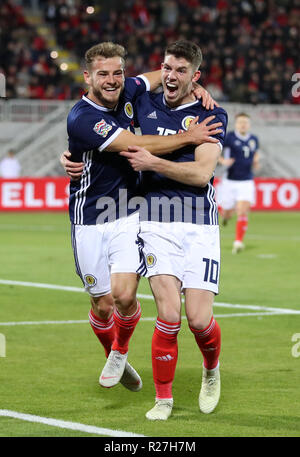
x=251, y=50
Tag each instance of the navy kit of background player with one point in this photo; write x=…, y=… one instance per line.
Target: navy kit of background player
x=181, y=248
x=104, y=230
x=237, y=191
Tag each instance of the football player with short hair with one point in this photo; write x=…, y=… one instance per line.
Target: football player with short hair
x=181, y=239
x=237, y=190
x=104, y=228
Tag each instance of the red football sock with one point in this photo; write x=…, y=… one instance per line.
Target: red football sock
x=209, y=342
x=164, y=356
x=241, y=227
x=124, y=326
x=104, y=330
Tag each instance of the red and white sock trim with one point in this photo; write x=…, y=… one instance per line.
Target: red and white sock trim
x=205, y=332
x=101, y=324
x=168, y=328
x=128, y=320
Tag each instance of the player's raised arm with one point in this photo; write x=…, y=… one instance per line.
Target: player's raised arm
x=154, y=79
x=160, y=145
x=195, y=173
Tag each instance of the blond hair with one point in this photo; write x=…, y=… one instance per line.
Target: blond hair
x=107, y=49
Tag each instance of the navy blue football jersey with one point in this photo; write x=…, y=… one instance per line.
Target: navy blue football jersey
x=108, y=181
x=197, y=203
x=241, y=149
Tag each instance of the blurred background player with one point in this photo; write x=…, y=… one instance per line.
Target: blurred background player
x=237, y=191
x=9, y=166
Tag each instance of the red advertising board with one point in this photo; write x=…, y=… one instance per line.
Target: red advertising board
x=51, y=194
x=275, y=194
x=34, y=194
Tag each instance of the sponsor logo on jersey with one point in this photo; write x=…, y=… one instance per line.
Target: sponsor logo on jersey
x=151, y=260
x=128, y=110
x=186, y=122
x=102, y=128
x=90, y=280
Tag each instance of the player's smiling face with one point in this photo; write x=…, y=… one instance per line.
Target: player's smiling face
x=105, y=80
x=178, y=76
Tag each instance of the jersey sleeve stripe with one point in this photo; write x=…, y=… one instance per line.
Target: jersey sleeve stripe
x=146, y=81
x=110, y=139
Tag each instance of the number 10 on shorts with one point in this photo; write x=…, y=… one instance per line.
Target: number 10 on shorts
x=211, y=270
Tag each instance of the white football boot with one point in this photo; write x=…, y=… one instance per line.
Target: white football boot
x=113, y=369
x=131, y=379
x=161, y=410
x=210, y=390
x=238, y=246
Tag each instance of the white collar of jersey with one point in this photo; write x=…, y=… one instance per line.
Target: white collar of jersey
x=186, y=105
x=242, y=137
x=95, y=105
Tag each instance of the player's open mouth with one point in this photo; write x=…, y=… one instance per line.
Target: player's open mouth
x=172, y=88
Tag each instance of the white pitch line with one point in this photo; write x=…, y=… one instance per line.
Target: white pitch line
x=12, y=324
x=263, y=310
x=143, y=319
x=67, y=425
x=41, y=285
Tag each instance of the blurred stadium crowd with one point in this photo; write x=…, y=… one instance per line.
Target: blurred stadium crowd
x=251, y=48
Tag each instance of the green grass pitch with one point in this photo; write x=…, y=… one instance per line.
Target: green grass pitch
x=51, y=369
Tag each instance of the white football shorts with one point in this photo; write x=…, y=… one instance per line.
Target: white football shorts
x=230, y=192
x=102, y=249
x=188, y=251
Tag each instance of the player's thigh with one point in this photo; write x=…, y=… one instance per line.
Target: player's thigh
x=90, y=254
x=199, y=307
x=202, y=258
x=166, y=290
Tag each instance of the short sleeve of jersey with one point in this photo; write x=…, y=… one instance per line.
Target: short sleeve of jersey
x=92, y=131
x=136, y=86
x=220, y=116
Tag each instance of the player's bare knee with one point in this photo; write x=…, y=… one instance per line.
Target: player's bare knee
x=125, y=300
x=199, y=322
x=102, y=306
x=168, y=314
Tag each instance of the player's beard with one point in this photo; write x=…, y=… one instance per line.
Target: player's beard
x=109, y=100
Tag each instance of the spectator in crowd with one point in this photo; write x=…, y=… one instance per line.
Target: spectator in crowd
x=10, y=166
x=252, y=48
